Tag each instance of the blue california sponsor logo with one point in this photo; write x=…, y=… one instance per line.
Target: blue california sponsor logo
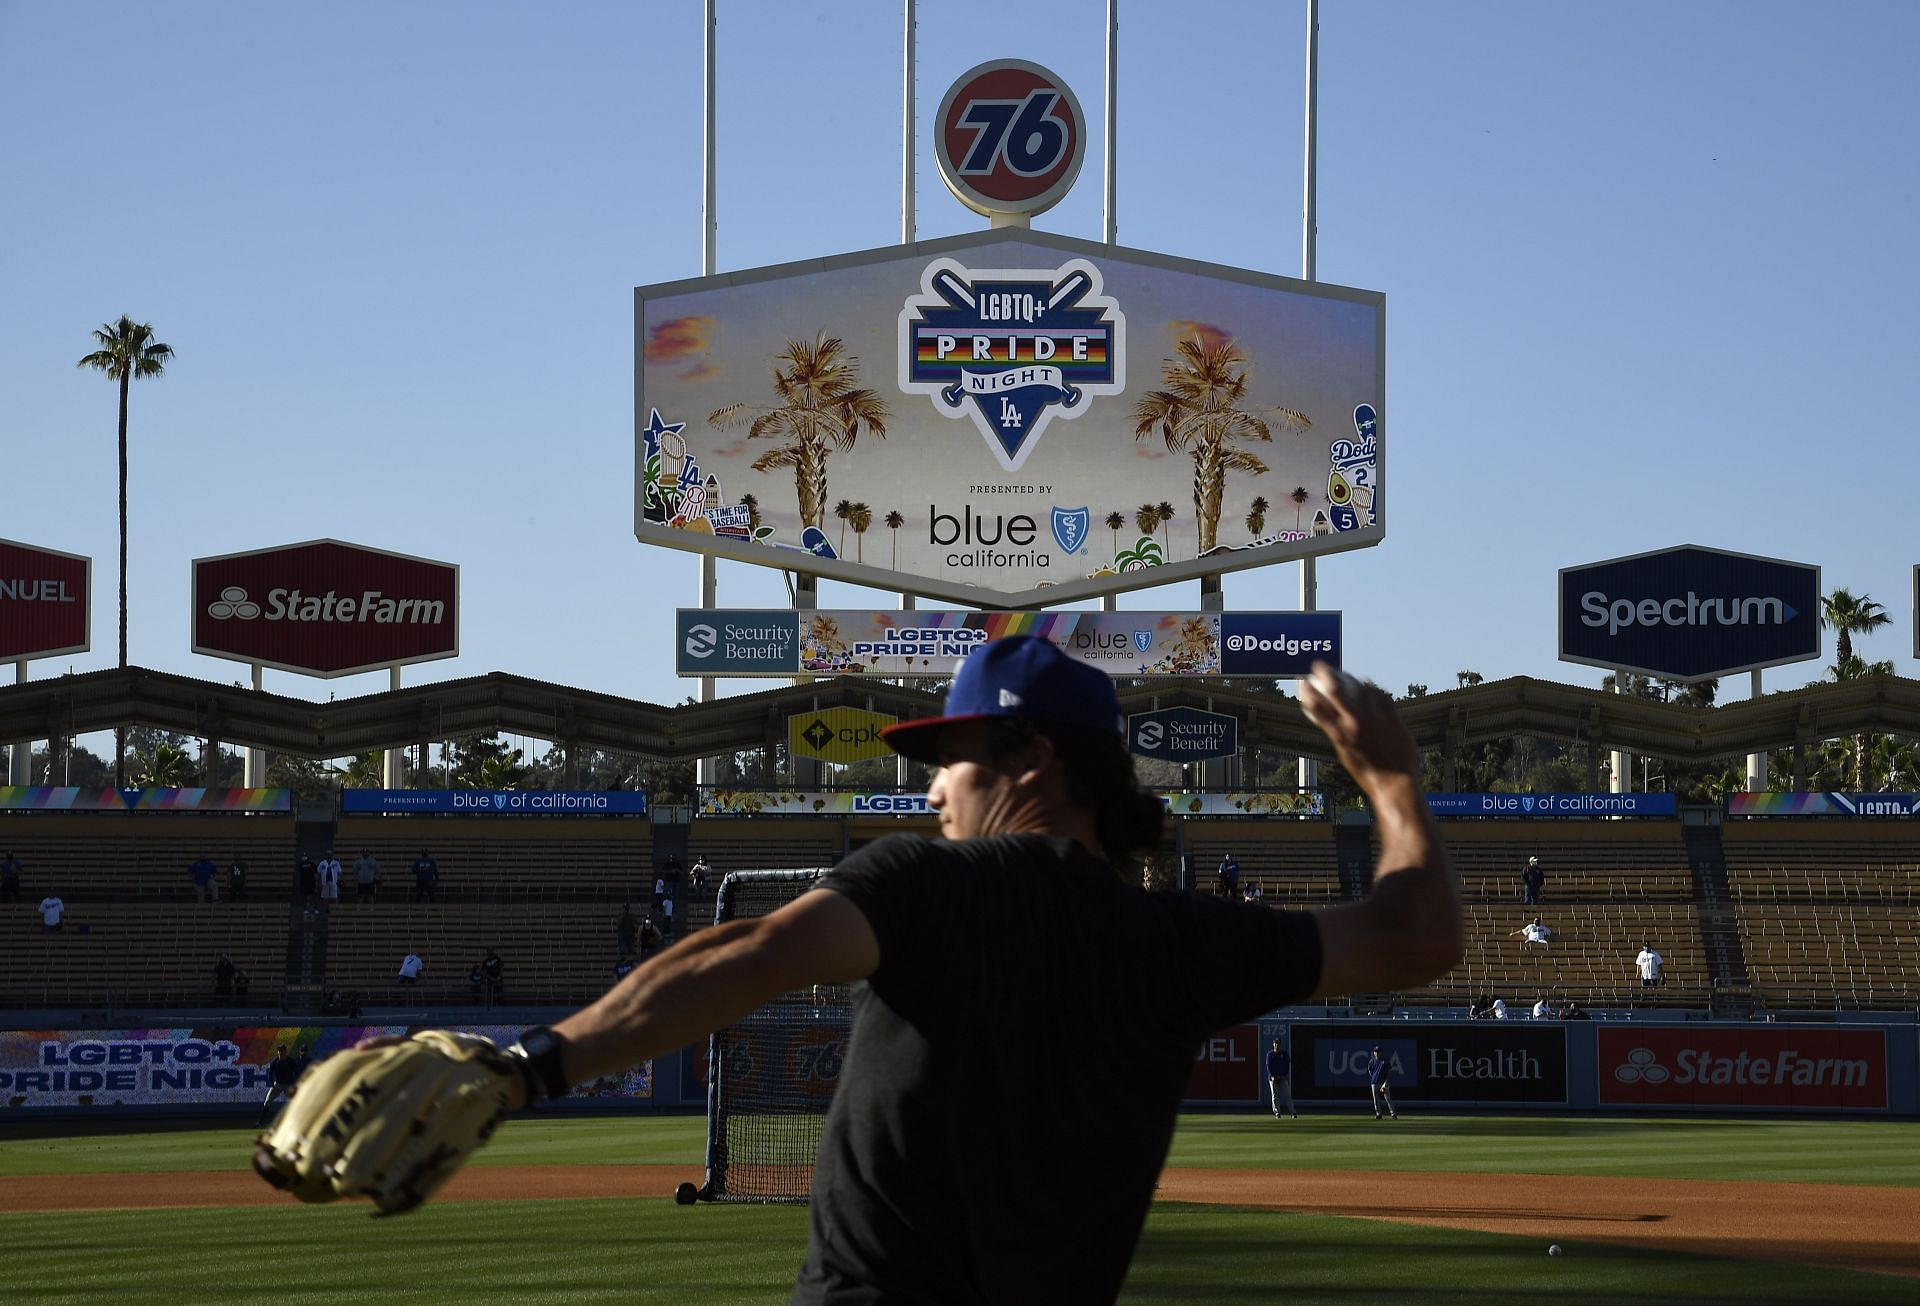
x=1550, y=805
x=1011, y=349
x=1070, y=527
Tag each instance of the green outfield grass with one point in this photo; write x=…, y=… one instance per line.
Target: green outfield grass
x=1778, y=1151
x=650, y=1250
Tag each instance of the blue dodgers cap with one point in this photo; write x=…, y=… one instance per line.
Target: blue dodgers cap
x=1019, y=676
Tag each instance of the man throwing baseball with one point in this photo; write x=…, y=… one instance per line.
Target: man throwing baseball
x=1020, y=931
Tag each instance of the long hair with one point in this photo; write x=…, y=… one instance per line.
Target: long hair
x=1100, y=777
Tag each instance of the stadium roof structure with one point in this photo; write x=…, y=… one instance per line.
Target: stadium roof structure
x=1443, y=722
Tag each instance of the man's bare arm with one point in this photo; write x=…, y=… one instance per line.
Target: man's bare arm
x=716, y=977
x=1408, y=930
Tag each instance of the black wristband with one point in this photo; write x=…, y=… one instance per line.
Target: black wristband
x=538, y=1052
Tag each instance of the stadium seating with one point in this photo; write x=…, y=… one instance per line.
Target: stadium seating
x=118, y=857
x=141, y=954
x=1293, y=862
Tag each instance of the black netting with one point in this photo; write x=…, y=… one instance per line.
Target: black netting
x=772, y=1076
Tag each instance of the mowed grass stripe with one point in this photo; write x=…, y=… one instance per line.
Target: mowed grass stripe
x=649, y=1250
x=1876, y=1152
x=1873, y=1152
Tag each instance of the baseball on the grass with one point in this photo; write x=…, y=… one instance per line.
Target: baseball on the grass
x=1554, y=1250
x=687, y=1195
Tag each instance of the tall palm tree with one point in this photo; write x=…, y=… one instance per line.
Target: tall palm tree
x=1257, y=515
x=1299, y=497
x=893, y=522
x=1848, y=616
x=822, y=408
x=752, y=504
x=843, y=510
x=1200, y=411
x=168, y=767
x=1164, y=511
x=1147, y=518
x=127, y=353
x=861, y=517
x=1115, y=520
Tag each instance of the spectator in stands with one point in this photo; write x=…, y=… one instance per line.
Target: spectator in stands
x=627, y=928
x=204, y=889
x=1253, y=893
x=223, y=976
x=659, y=886
x=51, y=909
x=10, y=877
x=237, y=879
x=410, y=967
x=1499, y=1009
x=1532, y=932
x=283, y=1072
x=309, y=878
x=666, y=917
x=426, y=877
x=329, y=870
x=650, y=939
x=366, y=876
x=697, y=876
x=623, y=967
x=242, y=982
x=1541, y=1010
x=1481, y=1008
x=477, y=978
x=493, y=969
x=1573, y=1011
x=1532, y=880
x=1649, y=963
x=1229, y=875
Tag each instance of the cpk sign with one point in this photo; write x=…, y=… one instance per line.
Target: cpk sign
x=326, y=608
x=1009, y=138
x=1760, y=1066
x=1689, y=613
x=45, y=602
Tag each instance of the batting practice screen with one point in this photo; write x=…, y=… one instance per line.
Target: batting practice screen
x=771, y=1078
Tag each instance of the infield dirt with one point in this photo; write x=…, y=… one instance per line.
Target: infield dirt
x=1843, y=1226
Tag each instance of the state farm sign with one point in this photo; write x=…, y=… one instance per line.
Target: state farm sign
x=326, y=608
x=1760, y=1066
x=45, y=602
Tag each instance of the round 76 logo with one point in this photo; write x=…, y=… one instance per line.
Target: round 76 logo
x=1009, y=138
x=1010, y=348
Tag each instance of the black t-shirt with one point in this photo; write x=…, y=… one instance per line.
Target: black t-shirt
x=1016, y=1064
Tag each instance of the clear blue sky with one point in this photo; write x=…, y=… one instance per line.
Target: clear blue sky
x=1649, y=273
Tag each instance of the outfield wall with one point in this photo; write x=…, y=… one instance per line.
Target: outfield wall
x=1635, y=1067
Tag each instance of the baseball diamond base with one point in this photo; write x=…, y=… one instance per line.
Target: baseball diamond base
x=1876, y=1229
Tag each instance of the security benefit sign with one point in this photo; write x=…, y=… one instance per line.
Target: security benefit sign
x=46, y=602
x=1775, y=1067
x=1009, y=416
x=1444, y=1062
x=1689, y=613
x=1183, y=734
x=838, y=734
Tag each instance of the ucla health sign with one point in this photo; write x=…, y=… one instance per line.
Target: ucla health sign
x=1182, y=734
x=495, y=802
x=1689, y=613
x=1552, y=805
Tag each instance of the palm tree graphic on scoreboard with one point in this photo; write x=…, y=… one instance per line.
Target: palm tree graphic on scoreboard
x=1201, y=412
x=822, y=408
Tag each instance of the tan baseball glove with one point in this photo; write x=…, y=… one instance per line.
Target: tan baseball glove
x=391, y=1121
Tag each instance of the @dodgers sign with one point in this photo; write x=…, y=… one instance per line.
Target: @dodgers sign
x=1009, y=138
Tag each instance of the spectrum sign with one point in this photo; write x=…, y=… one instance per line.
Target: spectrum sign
x=326, y=608
x=1689, y=613
x=45, y=602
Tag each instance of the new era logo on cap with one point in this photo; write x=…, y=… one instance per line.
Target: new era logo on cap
x=1019, y=676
